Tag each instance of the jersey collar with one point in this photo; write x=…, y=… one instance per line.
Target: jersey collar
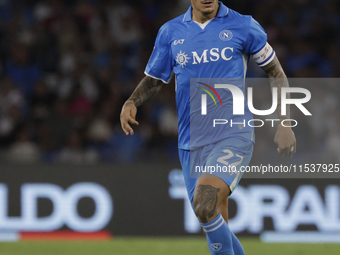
x=222, y=11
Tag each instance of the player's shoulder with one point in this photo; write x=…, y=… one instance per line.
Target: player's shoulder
x=173, y=23
x=238, y=17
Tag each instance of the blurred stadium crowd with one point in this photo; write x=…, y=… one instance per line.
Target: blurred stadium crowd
x=68, y=66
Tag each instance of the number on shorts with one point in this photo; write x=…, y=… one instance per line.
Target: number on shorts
x=229, y=155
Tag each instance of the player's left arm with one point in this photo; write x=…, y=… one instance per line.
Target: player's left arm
x=284, y=137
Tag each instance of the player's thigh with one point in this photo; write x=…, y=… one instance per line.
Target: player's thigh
x=223, y=190
x=185, y=157
x=227, y=159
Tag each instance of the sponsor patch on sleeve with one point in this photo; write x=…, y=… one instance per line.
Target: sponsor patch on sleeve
x=265, y=55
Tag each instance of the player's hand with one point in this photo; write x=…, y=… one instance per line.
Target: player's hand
x=285, y=140
x=128, y=116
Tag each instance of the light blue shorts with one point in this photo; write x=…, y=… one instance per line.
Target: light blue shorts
x=223, y=159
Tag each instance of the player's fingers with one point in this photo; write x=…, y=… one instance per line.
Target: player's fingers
x=281, y=151
x=123, y=124
x=124, y=121
x=284, y=152
x=292, y=149
x=133, y=114
x=288, y=151
x=132, y=120
x=127, y=128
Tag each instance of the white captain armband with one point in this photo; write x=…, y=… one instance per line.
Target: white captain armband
x=265, y=55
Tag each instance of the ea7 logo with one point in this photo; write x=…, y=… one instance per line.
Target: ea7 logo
x=180, y=41
x=238, y=100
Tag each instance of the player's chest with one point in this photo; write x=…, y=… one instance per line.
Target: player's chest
x=196, y=46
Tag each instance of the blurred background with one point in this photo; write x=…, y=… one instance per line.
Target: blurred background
x=66, y=68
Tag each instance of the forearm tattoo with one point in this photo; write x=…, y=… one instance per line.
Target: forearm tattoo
x=205, y=201
x=146, y=89
x=278, y=80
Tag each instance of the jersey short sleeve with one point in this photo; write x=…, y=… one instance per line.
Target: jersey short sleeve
x=257, y=45
x=160, y=62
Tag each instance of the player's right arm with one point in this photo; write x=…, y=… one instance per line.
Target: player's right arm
x=158, y=71
x=146, y=89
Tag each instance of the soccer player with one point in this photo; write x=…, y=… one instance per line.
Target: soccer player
x=210, y=41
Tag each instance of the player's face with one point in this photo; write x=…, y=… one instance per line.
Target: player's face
x=205, y=7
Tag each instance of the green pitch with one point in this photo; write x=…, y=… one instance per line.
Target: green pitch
x=159, y=246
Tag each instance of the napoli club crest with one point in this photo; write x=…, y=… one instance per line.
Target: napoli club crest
x=226, y=35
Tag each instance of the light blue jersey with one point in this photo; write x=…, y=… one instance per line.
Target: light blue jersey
x=220, y=48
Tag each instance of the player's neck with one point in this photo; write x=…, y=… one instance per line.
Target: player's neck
x=203, y=17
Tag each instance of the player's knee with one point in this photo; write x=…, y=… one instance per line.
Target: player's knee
x=202, y=212
x=205, y=202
